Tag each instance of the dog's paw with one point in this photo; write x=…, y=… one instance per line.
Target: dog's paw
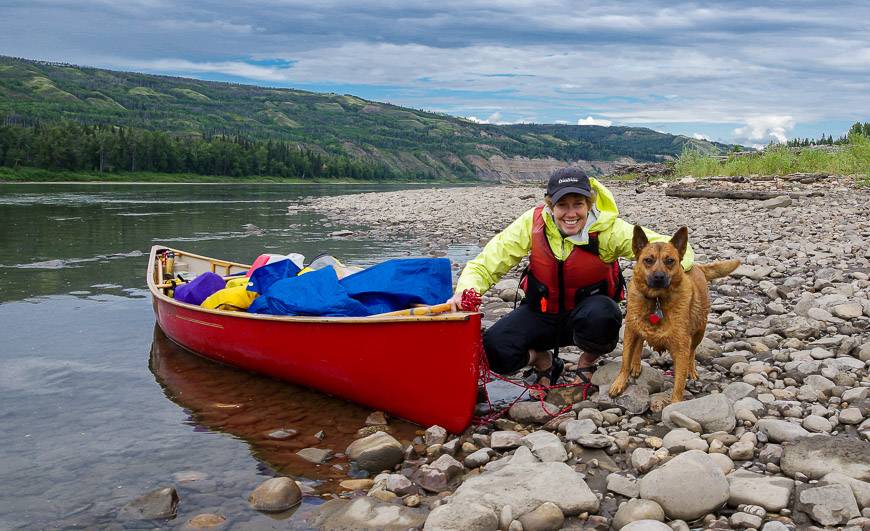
x=692, y=373
x=618, y=385
x=635, y=369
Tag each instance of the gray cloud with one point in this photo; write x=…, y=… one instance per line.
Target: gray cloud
x=637, y=62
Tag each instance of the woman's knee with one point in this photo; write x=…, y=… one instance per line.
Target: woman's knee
x=596, y=325
x=503, y=356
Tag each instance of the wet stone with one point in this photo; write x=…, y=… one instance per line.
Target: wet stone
x=365, y=513
x=315, y=455
x=275, y=495
x=157, y=504
x=379, y=451
x=376, y=418
x=205, y=521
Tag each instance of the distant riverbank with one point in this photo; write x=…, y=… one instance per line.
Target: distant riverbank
x=43, y=176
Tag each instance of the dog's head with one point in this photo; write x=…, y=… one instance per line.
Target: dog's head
x=658, y=264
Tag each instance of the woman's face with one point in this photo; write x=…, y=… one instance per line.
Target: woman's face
x=570, y=213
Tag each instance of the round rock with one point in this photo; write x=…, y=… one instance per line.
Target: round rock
x=712, y=412
x=647, y=525
x=462, y=516
x=637, y=509
x=547, y=517
x=275, y=495
x=379, y=451
x=687, y=487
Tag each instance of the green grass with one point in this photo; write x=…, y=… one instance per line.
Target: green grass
x=779, y=160
x=36, y=175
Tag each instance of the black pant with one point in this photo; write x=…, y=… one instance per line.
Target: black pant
x=593, y=325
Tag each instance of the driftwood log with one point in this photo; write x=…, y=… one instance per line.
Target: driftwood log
x=689, y=192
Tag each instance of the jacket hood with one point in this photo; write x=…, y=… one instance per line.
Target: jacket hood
x=606, y=206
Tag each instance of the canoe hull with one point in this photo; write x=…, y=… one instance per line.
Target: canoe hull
x=424, y=370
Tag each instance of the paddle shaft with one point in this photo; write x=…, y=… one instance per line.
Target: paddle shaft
x=421, y=310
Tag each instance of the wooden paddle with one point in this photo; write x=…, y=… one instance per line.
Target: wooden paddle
x=470, y=303
x=420, y=310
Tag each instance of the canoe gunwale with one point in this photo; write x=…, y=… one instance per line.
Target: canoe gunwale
x=157, y=293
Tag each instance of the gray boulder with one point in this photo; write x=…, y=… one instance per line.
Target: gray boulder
x=860, y=489
x=737, y=390
x=633, y=400
x=377, y=452
x=647, y=525
x=526, y=486
x=157, y=504
x=366, y=513
x=712, y=412
x=547, y=517
x=532, y=412
x=576, y=428
x=546, y=446
x=819, y=455
x=771, y=492
x=635, y=510
x=687, y=487
x=505, y=440
x=781, y=430
x=828, y=505
x=623, y=485
x=651, y=378
x=462, y=517
x=275, y=495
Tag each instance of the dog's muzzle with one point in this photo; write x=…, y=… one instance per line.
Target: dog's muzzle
x=658, y=280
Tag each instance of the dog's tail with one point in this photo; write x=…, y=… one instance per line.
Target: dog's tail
x=718, y=269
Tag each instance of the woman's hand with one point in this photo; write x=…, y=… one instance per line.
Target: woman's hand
x=456, y=301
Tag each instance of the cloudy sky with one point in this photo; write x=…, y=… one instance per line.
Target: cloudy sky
x=747, y=72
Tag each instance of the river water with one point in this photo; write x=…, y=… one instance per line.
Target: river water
x=98, y=407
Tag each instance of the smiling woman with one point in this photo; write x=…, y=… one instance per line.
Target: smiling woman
x=573, y=283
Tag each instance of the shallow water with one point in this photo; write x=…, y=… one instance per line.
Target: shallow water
x=98, y=407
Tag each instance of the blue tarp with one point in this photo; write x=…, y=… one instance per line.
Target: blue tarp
x=315, y=293
x=392, y=285
x=264, y=276
x=401, y=283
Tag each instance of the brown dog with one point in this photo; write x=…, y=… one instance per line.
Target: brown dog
x=667, y=307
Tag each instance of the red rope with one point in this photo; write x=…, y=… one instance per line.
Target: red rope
x=486, y=375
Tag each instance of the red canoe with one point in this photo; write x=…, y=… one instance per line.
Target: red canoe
x=420, y=368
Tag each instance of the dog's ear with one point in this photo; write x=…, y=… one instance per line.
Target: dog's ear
x=638, y=241
x=680, y=240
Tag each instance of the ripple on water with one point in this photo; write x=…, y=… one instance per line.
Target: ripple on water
x=76, y=262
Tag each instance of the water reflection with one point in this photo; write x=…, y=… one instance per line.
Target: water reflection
x=275, y=418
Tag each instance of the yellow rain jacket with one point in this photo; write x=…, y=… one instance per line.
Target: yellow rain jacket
x=514, y=243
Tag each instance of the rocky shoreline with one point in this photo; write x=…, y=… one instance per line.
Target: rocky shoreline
x=774, y=435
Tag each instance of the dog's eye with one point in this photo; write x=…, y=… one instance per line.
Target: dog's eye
x=649, y=260
x=670, y=261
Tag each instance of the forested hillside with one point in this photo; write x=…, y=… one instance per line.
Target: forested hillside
x=63, y=116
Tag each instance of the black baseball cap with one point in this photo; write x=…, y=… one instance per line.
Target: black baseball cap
x=568, y=180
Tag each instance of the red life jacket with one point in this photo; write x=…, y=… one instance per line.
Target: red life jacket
x=555, y=286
